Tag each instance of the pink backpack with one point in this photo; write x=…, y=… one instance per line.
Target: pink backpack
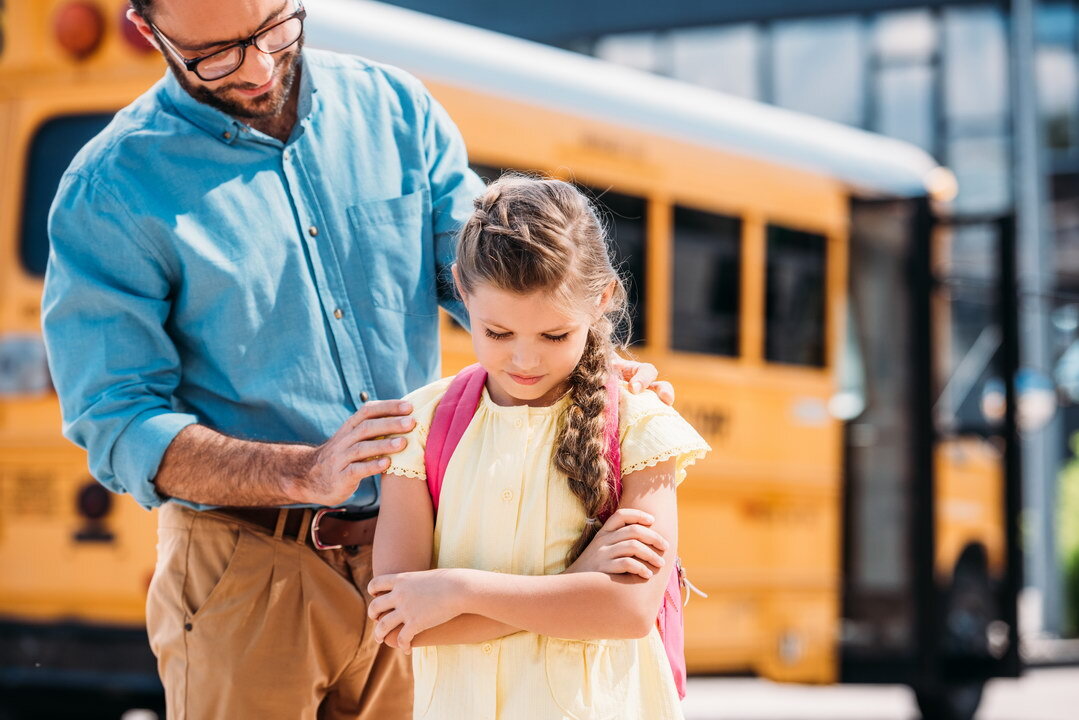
x=452, y=416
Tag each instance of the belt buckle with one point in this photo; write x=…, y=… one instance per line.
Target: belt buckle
x=319, y=514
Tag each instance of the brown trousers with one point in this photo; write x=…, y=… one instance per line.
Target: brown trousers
x=246, y=624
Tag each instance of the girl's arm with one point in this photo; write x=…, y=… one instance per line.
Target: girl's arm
x=572, y=605
x=403, y=543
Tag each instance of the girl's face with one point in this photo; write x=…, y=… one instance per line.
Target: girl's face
x=527, y=344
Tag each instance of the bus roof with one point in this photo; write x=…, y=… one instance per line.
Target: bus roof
x=466, y=56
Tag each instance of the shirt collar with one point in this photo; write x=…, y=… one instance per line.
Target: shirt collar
x=220, y=125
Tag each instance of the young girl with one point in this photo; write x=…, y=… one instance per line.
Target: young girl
x=508, y=625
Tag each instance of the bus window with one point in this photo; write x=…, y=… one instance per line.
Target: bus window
x=794, y=302
x=51, y=151
x=625, y=219
x=707, y=282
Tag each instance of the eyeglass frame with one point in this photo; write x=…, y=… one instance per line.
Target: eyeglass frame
x=192, y=64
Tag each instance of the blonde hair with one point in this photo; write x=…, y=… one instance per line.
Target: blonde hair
x=531, y=234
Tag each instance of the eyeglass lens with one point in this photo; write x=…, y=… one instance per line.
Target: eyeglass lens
x=271, y=40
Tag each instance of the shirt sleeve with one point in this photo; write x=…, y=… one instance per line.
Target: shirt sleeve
x=653, y=432
x=454, y=187
x=409, y=462
x=115, y=368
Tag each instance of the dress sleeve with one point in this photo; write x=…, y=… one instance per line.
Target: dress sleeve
x=653, y=432
x=409, y=462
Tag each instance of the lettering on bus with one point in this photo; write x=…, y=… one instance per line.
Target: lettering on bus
x=2, y=4
x=613, y=146
x=710, y=421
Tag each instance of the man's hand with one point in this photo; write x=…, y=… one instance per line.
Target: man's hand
x=357, y=450
x=626, y=544
x=643, y=375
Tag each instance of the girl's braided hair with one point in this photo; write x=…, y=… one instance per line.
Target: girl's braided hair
x=530, y=234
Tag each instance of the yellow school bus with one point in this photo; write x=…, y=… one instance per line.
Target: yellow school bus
x=792, y=277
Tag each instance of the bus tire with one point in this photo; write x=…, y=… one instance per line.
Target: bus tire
x=942, y=701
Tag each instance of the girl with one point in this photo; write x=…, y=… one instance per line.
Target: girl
x=509, y=624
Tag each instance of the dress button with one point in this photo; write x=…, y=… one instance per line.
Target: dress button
x=487, y=648
x=338, y=313
x=507, y=495
x=364, y=396
x=313, y=231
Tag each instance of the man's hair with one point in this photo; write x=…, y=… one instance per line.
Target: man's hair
x=142, y=7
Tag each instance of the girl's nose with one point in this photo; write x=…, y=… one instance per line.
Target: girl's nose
x=525, y=358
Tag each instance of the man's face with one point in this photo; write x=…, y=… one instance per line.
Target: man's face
x=261, y=86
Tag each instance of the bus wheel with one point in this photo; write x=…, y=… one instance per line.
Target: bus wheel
x=949, y=702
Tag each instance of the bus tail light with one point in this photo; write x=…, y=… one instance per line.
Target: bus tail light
x=79, y=28
x=131, y=34
x=23, y=367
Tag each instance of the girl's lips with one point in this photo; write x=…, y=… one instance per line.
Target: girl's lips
x=525, y=380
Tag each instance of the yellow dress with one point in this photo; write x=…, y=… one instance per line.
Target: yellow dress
x=504, y=507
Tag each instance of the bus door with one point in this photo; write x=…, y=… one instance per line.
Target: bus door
x=931, y=485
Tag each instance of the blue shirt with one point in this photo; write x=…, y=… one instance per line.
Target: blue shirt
x=203, y=272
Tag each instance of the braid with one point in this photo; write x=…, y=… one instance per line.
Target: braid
x=580, y=450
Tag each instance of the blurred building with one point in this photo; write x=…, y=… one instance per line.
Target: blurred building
x=990, y=89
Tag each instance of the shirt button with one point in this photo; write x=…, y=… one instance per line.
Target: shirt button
x=518, y=422
x=227, y=135
x=287, y=154
x=313, y=231
x=507, y=495
x=338, y=313
x=487, y=648
x=364, y=396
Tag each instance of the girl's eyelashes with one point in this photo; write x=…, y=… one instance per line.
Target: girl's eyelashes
x=503, y=335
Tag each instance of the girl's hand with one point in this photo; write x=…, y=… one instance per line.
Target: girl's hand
x=413, y=602
x=626, y=544
x=643, y=375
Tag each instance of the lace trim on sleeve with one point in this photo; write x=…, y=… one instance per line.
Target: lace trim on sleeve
x=687, y=454
x=405, y=472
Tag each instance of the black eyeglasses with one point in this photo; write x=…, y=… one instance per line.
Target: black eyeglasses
x=273, y=39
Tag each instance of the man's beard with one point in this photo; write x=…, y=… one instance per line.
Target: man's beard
x=286, y=66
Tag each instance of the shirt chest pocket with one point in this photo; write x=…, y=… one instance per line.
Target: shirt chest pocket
x=392, y=251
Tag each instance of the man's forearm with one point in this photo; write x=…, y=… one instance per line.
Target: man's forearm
x=204, y=466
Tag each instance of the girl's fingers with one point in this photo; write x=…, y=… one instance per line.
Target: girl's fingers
x=646, y=535
x=637, y=549
x=386, y=625
x=631, y=566
x=627, y=516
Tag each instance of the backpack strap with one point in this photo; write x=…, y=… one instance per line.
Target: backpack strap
x=452, y=416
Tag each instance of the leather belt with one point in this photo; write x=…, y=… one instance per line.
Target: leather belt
x=330, y=528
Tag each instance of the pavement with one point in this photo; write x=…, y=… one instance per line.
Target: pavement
x=1043, y=693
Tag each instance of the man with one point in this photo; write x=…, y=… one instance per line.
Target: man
x=248, y=261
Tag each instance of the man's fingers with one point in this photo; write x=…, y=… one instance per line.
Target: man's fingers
x=377, y=409
x=643, y=375
x=359, y=470
x=371, y=449
x=627, y=516
x=664, y=390
x=376, y=428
